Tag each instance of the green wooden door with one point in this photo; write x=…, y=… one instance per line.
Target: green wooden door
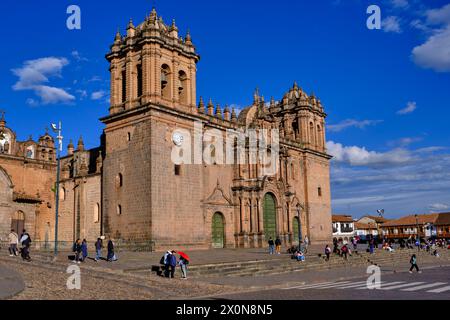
x=295, y=230
x=270, y=223
x=218, y=230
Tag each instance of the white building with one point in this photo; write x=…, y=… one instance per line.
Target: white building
x=343, y=227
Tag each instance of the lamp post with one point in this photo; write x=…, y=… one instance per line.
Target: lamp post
x=59, y=150
x=417, y=228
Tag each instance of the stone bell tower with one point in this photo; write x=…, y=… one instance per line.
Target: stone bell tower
x=152, y=64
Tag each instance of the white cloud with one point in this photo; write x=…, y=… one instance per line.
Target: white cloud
x=34, y=73
x=435, y=52
x=97, y=95
x=419, y=25
x=78, y=56
x=410, y=107
x=404, y=142
x=52, y=95
x=38, y=71
x=357, y=156
x=348, y=123
x=439, y=16
x=94, y=79
x=399, y=188
x=400, y=3
x=438, y=207
x=32, y=102
x=391, y=24
x=82, y=93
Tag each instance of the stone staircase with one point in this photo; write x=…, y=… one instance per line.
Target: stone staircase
x=384, y=259
x=398, y=259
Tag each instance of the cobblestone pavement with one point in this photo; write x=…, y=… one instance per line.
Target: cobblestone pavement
x=11, y=282
x=431, y=284
x=48, y=281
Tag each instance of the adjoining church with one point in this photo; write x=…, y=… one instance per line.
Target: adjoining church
x=129, y=189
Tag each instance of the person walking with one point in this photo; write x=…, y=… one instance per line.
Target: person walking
x=172, y=260
x=271, y=245
x=355, y=244
x=278, y=245
x=371, y=245
x=77, y=250
x=344, y=251
x=84, y=250
x=25, y=241
x=335, y=245
x=166, y=263
x=413, y=262
x=183, y=265
x=13, y=238
x=111, y=255
x=98, y=249
x=327, y=252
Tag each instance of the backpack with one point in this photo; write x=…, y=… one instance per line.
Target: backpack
x=162, y=260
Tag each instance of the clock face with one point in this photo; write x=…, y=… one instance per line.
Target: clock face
x=177, y=138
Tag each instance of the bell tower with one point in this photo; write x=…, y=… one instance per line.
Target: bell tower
x=152, y=64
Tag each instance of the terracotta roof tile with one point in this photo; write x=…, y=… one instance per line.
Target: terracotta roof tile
x=341, y=218
x=360, y=225
x=435, y=218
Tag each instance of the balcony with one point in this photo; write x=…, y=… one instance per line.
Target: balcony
x=346, y=230
x=403, y=235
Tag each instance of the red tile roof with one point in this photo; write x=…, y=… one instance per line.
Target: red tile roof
x=341, y=218
x=362, y=226
x=434, y=218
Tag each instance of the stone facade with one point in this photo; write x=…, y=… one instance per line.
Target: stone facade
x=146, y=197
x=27, y=171
x=129, y=188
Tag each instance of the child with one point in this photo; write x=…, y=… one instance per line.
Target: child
x=413, y=262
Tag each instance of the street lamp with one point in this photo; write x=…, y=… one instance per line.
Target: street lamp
x=59, y=150
x=417, y=228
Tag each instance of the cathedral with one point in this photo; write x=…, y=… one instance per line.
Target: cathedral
x=130, y=190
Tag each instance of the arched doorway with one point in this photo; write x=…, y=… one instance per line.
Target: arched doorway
x=295, y=229
x=18, y=222
x=218, y=231
x=270, y=216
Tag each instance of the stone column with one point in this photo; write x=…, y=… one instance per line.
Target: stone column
x=129, y=72
x=146, y=74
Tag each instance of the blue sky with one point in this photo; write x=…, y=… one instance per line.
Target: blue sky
x=386, y=91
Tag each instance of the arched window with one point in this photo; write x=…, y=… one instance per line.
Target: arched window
x=62, y=194
x=319, y=136
x=119, y=181
x=311, y=134
x=96, y=212
x=139, y=80
x=182, y=87
x=165, y=82
x=119, y=209
x=296, y=129
x=124, y=86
